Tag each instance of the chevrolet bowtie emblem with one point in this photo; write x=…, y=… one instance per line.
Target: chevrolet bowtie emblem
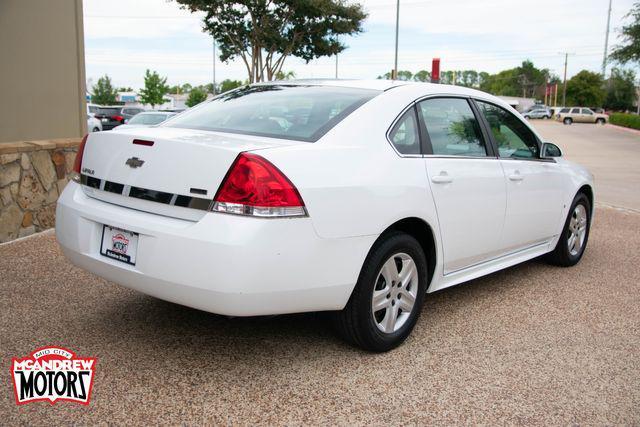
x=134, y=162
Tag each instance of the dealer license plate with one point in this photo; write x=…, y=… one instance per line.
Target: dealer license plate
x=119, y=244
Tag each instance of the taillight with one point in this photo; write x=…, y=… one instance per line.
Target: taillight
x=77, y=164
x=117, y=118
x=255, y=187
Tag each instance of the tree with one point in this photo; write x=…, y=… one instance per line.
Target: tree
x=125, y=89
x=186, y=88
x=154, y=90
x=585, y=89
x=229, y=84
x=621, y=90
x=281, y=75
x=103, y=92
x=469, y=78
x=422, y=76
x=196, y=96
x=629, y=51
x=263, y=33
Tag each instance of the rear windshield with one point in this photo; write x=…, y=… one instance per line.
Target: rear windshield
x=302, y=113
x=147, y=119
x=109, y=111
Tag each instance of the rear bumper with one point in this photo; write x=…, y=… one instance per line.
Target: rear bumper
x=224, y=264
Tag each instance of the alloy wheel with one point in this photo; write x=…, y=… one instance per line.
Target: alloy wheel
x=394, y=293
x=577, y=230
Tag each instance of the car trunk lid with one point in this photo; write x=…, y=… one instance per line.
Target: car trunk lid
x=162, y=169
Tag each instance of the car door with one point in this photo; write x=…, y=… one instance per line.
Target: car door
x=588, y=116
x=466, y=181
x=575, y=115
x=534, y=195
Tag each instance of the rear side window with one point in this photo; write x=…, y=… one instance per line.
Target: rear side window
x=404, y=135
x=575, y=111
x=295, y=112
x=513, y=137
x=452, y=127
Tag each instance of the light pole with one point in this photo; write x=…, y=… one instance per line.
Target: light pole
x=214, y=67
x=564, y=83
x=606, y=43
x=395, y=64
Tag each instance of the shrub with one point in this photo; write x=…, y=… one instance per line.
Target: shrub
x=625, y=119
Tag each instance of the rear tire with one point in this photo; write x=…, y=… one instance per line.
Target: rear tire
x=575, y=234
x=567, y=120
x=600, y=121
x=95, y=130
x=395, y=256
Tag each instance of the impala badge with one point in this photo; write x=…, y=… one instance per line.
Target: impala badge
x=134, y=162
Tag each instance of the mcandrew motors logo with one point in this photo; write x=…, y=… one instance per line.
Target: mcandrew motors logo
x=53, y=373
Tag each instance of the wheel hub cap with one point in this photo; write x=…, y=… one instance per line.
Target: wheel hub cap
x=394, y=293
x=577, y=230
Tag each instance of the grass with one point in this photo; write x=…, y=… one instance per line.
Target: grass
x=627, y=120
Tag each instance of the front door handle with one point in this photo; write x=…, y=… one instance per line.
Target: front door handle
x=516, y=176
x=443, y=178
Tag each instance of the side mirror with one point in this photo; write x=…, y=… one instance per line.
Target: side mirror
x=549, y=151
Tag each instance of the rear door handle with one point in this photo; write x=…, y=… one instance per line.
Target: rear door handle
x=443, y=178
x=516, y=176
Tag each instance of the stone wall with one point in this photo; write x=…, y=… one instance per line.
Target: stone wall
x=32, y=176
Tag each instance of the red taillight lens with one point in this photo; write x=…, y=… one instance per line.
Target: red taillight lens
x=77, y=164
x=254, y=186
x=117, y=118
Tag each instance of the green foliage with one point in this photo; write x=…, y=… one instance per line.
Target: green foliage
x=625, y=119
x=229, y=84
x=422, y=76
x=281, y=75
x=621, y=90
x=629, y=51
x=264, y=33
x=104, y=92
x=154, y=90
x=186, y=88
x=525, y=80
x=196, y=96
x=125, y=89
x=585, y=89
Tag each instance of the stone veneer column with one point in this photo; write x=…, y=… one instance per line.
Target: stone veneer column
x=32, y=176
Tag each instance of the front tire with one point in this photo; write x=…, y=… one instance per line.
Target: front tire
x=600, y=121
x=567, y=120
x=387, y=299
x=575, y=234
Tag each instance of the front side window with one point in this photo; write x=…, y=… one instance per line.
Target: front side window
x=404, y=135
x=452, y=128
x=513, y=137
x=296, y=112
x=587, y=111
x=564, y=110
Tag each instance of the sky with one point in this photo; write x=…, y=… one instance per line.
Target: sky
x=125, y=37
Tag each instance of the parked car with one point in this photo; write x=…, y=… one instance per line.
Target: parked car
x=581, y=115
x=92, y=108
x=115, y=115
x=93, y=124
x=355, y=197
x=538, y=112
x=146, y=119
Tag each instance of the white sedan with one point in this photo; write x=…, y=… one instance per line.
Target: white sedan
x=356, y=197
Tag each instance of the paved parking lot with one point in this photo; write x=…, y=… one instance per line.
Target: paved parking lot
x=530, y=345
x=611, y=153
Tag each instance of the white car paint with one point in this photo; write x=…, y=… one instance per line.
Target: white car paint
x=485, y=214
x=93, y=124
